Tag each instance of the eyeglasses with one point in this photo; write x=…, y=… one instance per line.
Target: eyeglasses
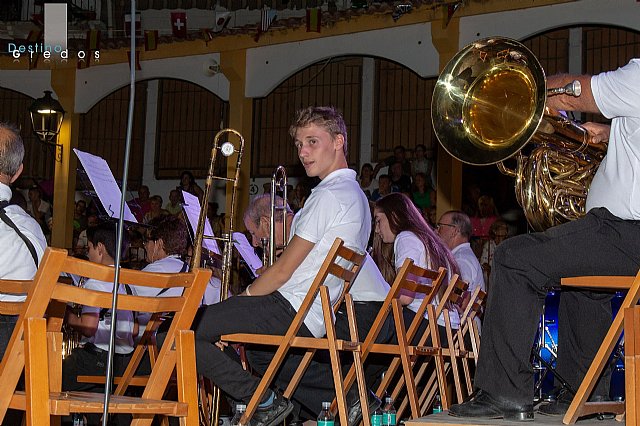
x=438, y=225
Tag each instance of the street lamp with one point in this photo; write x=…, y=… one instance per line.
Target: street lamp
x=46, y=120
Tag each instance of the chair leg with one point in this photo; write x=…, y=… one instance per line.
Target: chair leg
x=632, y=365
x=333, y=354
x=404, y=358
x=36, y=363
x=187, y=376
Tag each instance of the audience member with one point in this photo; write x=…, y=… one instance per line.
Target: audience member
x=188, y=184
x=422, y=192
x=384, y=188
x=399, y=156
x=81, y=247
x=423, y=163
x=174, y=206
x=498, y=232
x=399, y=181
x=79, y=217
x=481, y=223
x=367, y=182
x=140, y=206
x=156, y=209
x=38, y=208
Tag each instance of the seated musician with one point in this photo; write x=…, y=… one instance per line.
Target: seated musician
x=368, y=290
x=399, y=223
x=606, y=241
x=22, y=246
x=94, y=323
x=336, y=208
x=165, y=244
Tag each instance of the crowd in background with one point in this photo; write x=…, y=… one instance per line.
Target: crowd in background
x=411, y=172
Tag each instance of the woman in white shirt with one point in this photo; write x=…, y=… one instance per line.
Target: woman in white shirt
x=402, y=232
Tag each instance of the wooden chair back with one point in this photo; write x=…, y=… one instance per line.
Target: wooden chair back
x=410, y=278
x=47, y=288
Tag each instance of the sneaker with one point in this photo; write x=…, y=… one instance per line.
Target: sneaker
x=354, y=410
x=274, y=413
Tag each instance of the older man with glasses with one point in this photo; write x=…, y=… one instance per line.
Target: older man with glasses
x=454, y=227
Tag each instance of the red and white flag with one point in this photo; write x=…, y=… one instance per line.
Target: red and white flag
x=179, y=24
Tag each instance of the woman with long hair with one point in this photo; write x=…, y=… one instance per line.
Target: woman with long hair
x=402, y=232
x=366, y=179
x=188, y=184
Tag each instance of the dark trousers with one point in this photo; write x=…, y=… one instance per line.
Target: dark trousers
x=7, y=324
x=271, y=314
x=91, y=361
x=524, y=268
x=316, y=386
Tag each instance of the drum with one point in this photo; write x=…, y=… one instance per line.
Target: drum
x=546, y=347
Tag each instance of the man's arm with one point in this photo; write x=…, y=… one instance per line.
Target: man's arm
x=585, y=102
x=280, y=272
x=87, y=323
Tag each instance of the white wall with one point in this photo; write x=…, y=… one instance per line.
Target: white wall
x=268, y=66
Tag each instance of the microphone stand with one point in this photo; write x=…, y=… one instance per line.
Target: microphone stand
x=125, y=177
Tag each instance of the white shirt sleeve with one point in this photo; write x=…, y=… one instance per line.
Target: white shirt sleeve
x=315, y=218
x=617, y=92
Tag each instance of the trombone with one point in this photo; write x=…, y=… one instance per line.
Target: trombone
x=226, y=149
x=270, y=245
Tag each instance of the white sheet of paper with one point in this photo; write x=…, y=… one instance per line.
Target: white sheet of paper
x=191, y=207
x=247, y=252
x=104, y=184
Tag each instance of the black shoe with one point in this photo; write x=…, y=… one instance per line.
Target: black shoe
x=274, y=413
x=563, y=400
x=354, y=411
x=484, y=405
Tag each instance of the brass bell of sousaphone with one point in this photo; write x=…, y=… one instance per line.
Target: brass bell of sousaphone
x=489, y=102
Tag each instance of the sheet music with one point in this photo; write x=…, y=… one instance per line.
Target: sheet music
x=191, y=207
x=104, y=184
x=246, y=251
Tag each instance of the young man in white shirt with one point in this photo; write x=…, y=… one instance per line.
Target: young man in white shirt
x=336, y=208
x=94, y=323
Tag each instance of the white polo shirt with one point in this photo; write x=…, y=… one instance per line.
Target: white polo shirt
x=616, y=184
x=337, y=207
x=370, y=285
x=408, y=245
x=16, y=262
x=124, y=327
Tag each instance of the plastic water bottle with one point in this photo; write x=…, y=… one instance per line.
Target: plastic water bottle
x=389, y=413
x=78, y=419
x=325, y=418
x=240, y=409
x=437, y=405
x=376, y=417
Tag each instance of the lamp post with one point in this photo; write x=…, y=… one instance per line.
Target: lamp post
x=46, y=119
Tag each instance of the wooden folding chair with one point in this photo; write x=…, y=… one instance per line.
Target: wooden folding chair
x=42, y=397
x=406, y=279
x=454, y=292
x=332, y=265
x=579, y=406
x=468, y=327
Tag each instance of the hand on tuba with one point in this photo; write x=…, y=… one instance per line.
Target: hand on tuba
x=598, y=132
